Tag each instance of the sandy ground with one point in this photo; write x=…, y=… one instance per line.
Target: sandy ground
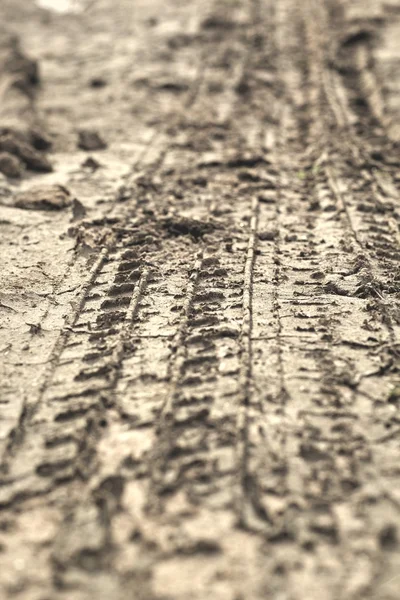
x=199, y=319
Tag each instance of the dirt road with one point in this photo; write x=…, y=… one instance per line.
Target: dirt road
x=199, y=300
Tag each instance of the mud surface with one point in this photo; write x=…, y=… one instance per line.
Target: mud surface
x=199, y=207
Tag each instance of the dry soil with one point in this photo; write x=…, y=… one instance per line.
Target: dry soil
x=199, y=293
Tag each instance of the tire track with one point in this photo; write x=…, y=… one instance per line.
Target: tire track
x=218, y=418
x=102, y=317
x=245, y=373
x=304, y=519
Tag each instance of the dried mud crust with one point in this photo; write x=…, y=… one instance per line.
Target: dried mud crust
x=201, y=344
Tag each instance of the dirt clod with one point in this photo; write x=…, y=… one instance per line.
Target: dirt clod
x=39, y=139
x=91, y=163
x=10, y=165
x=98, y=82
x=78, y=210
x=33, y=159
x=52, y=197
x=268, y=235
x=184, y=226
x=90, y=140
x=388, y=536
x=267, y=197
x=317, y=275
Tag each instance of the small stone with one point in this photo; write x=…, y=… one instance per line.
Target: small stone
x=10, y=165
x=98, y=82
x=51, y=197
x=314, y=205
x=267, y=236
x=35, y=328
x=290, y=237
x=91, y=163
x=90, y=140
x=242, y=88
x=267, y=197
x=317, y=275
x=200, y=181
x=39, y=139
x=388, y=537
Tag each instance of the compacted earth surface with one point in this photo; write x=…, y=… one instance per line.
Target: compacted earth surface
x=199, y=285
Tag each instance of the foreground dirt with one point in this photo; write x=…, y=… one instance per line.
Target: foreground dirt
x=199, y=300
